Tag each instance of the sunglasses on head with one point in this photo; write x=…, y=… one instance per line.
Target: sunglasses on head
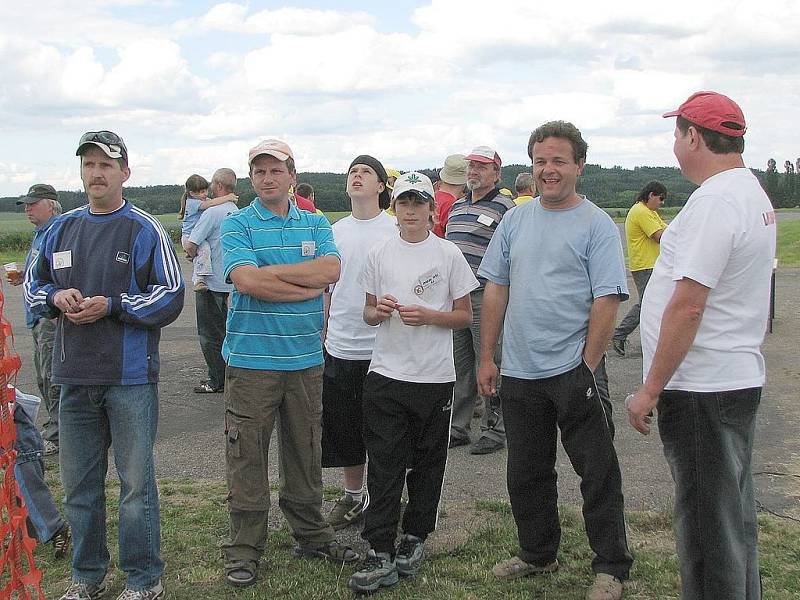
x=104, y=137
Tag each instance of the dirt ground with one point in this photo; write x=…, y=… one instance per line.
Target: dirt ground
x=190, y=441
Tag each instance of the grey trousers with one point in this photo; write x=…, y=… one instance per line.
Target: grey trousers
x=44, y=332
x=631, y=320
x=466, y=353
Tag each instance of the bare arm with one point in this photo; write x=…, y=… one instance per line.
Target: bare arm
x=317, y=273
x=679, y=325
x=326, y=313
x=656, y=236
x=208, y=203
x=493, y=311
x=191, y=249
x=458, y=318
x=601, y=325
x=264, y=284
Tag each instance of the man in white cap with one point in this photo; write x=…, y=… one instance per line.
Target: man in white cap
x=471, y=225
x=703, y=319
x=280, y=260
x=449, y=188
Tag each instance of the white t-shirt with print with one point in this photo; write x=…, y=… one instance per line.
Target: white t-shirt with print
x=349, y=337
x=432, y=273
x=724, y=239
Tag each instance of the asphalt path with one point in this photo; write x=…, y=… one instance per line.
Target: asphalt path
x=190, y=438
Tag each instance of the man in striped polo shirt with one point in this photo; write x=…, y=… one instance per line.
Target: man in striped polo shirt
x=471, y=224
x=280, y=259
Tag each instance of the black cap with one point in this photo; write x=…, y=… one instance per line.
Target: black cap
x=385, y=197
x=108, y=141
x=39, y=191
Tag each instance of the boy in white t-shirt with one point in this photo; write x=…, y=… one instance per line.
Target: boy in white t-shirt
x=349, y=341
x=417, y=291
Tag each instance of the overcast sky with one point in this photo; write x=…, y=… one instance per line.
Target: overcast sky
x=192, y=85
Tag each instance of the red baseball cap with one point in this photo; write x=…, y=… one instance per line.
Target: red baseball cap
x=713, y=111
x=484, y=154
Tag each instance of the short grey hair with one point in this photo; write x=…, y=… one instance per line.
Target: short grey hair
x=226, y=178
x=56, y=205
x=523, y=182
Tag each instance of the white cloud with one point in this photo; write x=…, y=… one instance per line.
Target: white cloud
x=192, y=92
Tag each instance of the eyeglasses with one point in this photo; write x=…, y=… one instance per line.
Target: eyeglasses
x=104, y=137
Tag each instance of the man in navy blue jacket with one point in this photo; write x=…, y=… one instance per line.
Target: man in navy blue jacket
x=109, y=272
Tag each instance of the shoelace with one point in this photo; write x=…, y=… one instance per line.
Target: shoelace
x=129, y=594
x=77, y=591
x=372, y=562
x=406, y=547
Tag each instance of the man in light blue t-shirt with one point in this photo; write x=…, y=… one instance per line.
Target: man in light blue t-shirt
x=556, y=274
x=211, y=304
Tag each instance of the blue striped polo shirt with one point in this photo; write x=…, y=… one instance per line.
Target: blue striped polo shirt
x=273, y=336
x=472, y=224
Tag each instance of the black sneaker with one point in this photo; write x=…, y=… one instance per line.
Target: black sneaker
x=410, y=555
x=377, y=570
x=619, y=346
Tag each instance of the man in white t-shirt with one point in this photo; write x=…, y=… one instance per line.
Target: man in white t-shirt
x=703, y=319
x=349, y=341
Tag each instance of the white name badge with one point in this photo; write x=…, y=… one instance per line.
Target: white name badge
x=308, y=248
x=485, y=220
x=62, y=260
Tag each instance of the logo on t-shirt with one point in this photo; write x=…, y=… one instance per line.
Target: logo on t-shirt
x=123, y=257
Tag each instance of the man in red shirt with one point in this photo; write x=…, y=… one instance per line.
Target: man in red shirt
x=449, y=188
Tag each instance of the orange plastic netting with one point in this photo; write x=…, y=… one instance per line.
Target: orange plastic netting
x=19, y=577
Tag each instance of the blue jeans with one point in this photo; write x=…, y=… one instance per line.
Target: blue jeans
x=708, y=443
x=93, y=417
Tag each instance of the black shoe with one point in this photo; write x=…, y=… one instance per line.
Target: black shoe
x=619, y=346
x=486, y=445
x=205, y=388
x=455, y=442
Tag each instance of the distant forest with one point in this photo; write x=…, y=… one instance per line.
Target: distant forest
x=607, y=187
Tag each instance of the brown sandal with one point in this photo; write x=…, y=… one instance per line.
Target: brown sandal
x=241, y=573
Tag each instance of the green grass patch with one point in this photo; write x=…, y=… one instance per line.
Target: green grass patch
x=789, y=243
x=195, y=521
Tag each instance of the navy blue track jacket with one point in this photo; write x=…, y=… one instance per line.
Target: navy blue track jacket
x=127, y=257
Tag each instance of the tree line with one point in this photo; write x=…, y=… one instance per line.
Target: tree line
x=606, y=187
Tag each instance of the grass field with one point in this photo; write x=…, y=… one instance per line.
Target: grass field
x=788, y=233
x=194, y=523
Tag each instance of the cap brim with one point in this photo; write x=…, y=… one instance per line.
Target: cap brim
x=672, y=113
x=479, y=158
x=274, y=153
x=104, y=147
x=424, y=196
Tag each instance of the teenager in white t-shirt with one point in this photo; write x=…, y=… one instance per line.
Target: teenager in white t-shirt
x=349, y=341
x=417, y=291
x=704, y=315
